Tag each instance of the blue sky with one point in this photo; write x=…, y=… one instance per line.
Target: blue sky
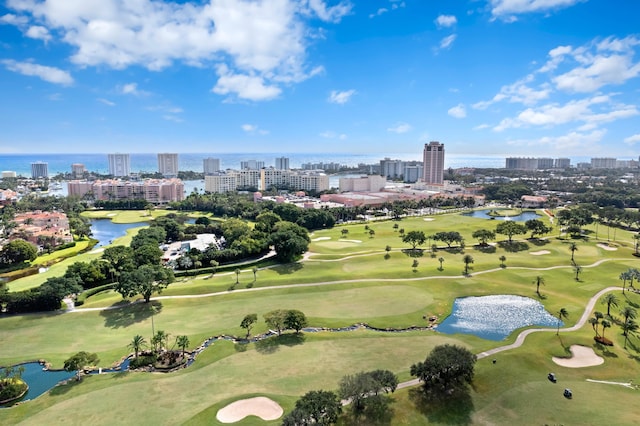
x=485, y=77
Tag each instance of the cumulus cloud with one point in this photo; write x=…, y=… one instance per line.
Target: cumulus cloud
x=341, y=97
x=379, y=12
x=262, y=44
x=518, y=92
x=632, y=140
x=458, y=111
x=507, y=9
x=49, y=74
x=400, y=128
x=106, y=102
x=253, y=129
x=38, y=32
x=583, y=110
x=445, y=21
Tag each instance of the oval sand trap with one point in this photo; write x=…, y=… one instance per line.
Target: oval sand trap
x=539, y=253
x=606, y=247
x=321, y=239
x=583, y=356
x=428, y=219
x=265, y=408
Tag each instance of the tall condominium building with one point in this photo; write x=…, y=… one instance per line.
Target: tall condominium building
x=77, y=170
x=282, y=163
x=603, y=163
x=433, y=163
x=168, y=164
x=119, y=165
x=155, y=191
x=39, y=169
x=562, y=163
x=211, y=165
x=251, y=165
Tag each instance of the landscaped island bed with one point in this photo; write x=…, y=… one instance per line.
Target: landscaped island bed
x=338, y=285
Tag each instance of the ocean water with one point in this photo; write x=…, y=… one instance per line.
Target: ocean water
x=61, y=163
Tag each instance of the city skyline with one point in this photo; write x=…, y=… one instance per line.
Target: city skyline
x=557, y=78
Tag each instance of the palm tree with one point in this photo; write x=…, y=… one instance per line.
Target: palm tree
x=573, y=247
x=539, y=280
x=237, y=271
x=605, y=324
x=594, y=324
x=624, y=276
x=415, y=264
x=609, y=300
x=502, y=259
x=577, y=269
x=255, y=271
x=182, y=342
x=441, y=260
x=562, y=314
x=467, y=259
x=160, y=340
x=628, y=326
x=137, y=343
x=628, y=313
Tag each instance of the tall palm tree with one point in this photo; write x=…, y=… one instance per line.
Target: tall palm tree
x=609, y=300
x=562, y=314
x=441, y=260
x=624, y=276
x=467, y=259
x=629, y=326
x=628, y=313
x=577, y=269
x=605, y=324
x=255, y=271
x=182, y=342
x=237, y=271
x=573, y=247
x=538, y=281
x=137, y=343
x=594, y=324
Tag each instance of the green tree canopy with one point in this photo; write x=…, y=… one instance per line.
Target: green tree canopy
x=18, y=251
x=446, y=368
x=510, y=228
x=320, y=408
x=296, y=320
x=145, y=281
x=415, y=238
x=289, y=240
x=276, y=320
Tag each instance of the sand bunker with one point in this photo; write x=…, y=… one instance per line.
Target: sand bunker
x=539, y=253
x=321, y=239
x=428, y=219
x=265, y=408
x=351, y=241
x=111, y=214
x=606, y=247
x=583, y=356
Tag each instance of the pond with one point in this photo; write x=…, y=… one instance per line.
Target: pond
x=105, y=231
x=495, y=317
x=522, y=217
x=39, y=380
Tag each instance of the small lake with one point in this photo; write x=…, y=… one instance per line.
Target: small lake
x=495, y=317
x=522, y=217
x=40, y=381
x=105, y=231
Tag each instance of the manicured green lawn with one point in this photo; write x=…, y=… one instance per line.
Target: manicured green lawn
x=361, y=286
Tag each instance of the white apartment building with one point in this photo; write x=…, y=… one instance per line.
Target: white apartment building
x=433, y=163
x=155, y=191
x=372, y=183
x=119, y=165
x=211, y=165
x=39, y=169
x=282, y=163
x=251, y=165
x=168, y=164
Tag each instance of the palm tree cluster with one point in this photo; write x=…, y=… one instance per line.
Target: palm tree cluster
x=629, y=275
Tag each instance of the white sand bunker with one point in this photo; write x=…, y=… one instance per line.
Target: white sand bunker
x=265, y=408
x=428, y=219
x=321, y=238
x=583, y=356
x=606, y=247
x=351, y=241
x=539, y=253
x=111, y=214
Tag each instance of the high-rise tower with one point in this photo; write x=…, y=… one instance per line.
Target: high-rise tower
x=433, y=163
x=119, y=165
x=168, y=164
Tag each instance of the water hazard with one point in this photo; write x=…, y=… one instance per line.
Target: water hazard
x=495, y=317
x=484, y=214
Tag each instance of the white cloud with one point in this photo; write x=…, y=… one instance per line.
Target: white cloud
x=481, y=127
x=379, y=12
x=445, y=21
x=518, y=92
x=262, y=43
x=252, y=129
x=585, y=143
x=458, y=111
x=50, y=74
x=131, y=89
x=631, y=140
x=573, y=111
x=249, y=87
x=38, y=32
x=174, y=118
x=506, y=9
x=341, y=97
x=400, y=128
x=106, y=102
x=446, y=42
x=601, y=71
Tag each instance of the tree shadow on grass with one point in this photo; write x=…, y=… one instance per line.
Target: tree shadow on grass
x=538, y=242
x=485, y=249
x=451, y=409
x=129, y=315
x=272, y=344
x=413, y=252
x=288, y=268
x=513, y=246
